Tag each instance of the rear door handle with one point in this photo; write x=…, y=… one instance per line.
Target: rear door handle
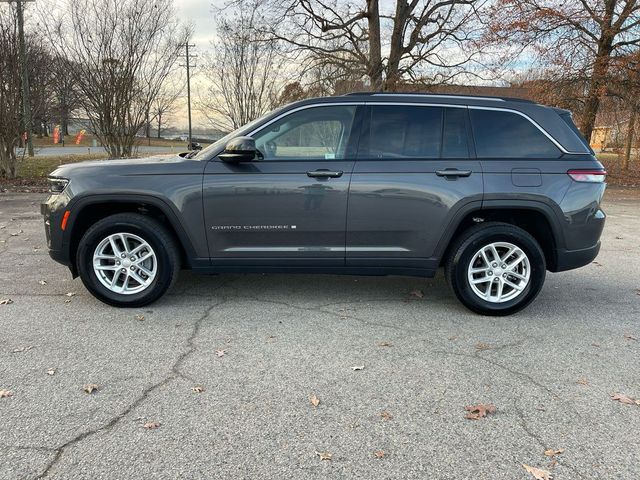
x=453, y=172
x=323, y=173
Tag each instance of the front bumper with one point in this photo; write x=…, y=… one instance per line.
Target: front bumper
x=52, y=211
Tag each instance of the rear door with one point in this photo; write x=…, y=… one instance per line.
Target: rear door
x=413, y=172
x=289, y=207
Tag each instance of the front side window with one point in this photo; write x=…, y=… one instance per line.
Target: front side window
x=317, y=133
x=500, y=134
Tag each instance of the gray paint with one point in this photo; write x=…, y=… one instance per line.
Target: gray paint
x=391, y=216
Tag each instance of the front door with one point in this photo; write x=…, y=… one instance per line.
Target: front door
x=288, y=207
x=413, y=172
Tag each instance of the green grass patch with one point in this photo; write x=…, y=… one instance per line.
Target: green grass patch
x=34, y=167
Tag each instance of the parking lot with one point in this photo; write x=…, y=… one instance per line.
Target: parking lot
x=217, y=379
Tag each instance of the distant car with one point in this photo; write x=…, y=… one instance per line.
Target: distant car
x=194, y=146
x=495, y=190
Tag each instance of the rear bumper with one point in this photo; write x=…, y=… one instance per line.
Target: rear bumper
x=570, y=259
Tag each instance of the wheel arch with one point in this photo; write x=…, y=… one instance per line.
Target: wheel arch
x=88, y=210
x=536, y=218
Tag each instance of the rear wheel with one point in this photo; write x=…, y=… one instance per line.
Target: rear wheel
x=128, y=260
x=496, y=268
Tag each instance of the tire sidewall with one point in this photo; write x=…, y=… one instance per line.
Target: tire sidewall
x=84, y=260
x=471, y=246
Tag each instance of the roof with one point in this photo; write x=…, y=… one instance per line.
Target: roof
x=440, y=95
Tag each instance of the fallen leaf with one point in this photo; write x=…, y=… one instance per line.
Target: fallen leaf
x=386, y=415
x=594, y=344
x=15, y=234
x=454, y=337
x=5, y=301
x=67, y=301
x=597, y=264
x=6, y=393
x=476, y=412
x=551, y=452
x=541, y=408
x=416, y=294
x=90, y=388
x=42, y=282
x=619, y=238
x=315, y=401
x=324, y=455
x=538, y=473
x=379, y=454
x=221, y=353
x=22, y=349
x=151, y=425
x=359, y=367
x=385, y=344
x=70, y=294
x=51, y=371
x=630, y=337
x=626, y=399
x=483, y=346
x=139, y=317
x=583, y=381
x=197, y=389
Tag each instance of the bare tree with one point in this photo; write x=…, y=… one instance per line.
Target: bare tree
x=10, y=95
x=244, y=72
x=421, y=41
x=123, y=50
x=579, y=38
x=165, y=102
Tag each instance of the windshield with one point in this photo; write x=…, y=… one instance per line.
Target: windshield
x=205, y=152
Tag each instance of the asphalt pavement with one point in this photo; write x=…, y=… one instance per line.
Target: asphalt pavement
x=216, y=379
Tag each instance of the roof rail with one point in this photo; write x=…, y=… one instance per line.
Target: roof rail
x=444, y=95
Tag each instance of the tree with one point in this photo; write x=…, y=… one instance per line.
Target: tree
x=10, y=95
x=421, y=41
x=244, y=73
x=164, y=104
x=577, y=38
x=123, y=51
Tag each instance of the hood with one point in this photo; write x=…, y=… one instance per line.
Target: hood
x=154, y=165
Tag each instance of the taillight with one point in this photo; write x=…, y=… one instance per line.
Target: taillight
x=593, y=176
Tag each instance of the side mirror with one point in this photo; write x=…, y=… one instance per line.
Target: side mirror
x=239, y=149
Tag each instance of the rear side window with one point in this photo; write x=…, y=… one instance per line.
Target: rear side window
x=405, y=132
x=568, y=119
x=508, y=135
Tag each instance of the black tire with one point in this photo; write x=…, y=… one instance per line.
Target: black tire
x=151, y=231
x=469, y=243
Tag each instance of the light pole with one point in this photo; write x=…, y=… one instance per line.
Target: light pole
x=26, y=100
x=189, y=66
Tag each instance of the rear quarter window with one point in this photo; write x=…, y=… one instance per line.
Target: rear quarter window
x=501, y=134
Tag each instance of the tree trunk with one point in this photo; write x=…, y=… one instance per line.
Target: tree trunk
x=631, y=130
x=375, y=49
x=159, y=124
x=600, y=72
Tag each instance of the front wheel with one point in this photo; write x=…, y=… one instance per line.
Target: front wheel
x=128, y=260
x=496, y=268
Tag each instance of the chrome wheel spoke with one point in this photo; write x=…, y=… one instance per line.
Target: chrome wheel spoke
x=125, y=263
x=499, y=272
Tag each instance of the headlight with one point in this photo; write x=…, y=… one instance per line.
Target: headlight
x=57, y=185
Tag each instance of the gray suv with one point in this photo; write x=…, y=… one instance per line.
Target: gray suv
x=495, y=190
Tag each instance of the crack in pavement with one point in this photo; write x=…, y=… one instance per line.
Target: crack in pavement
x=175, y=373
x=523, y=424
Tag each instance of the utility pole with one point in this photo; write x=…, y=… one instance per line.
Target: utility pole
x=26, y=101
x=189, y=66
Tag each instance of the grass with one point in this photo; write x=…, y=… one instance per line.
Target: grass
x=34, y=167
x=87, y=141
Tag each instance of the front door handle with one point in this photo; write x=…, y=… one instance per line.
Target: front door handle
x=453, y=173
x=324, y=173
